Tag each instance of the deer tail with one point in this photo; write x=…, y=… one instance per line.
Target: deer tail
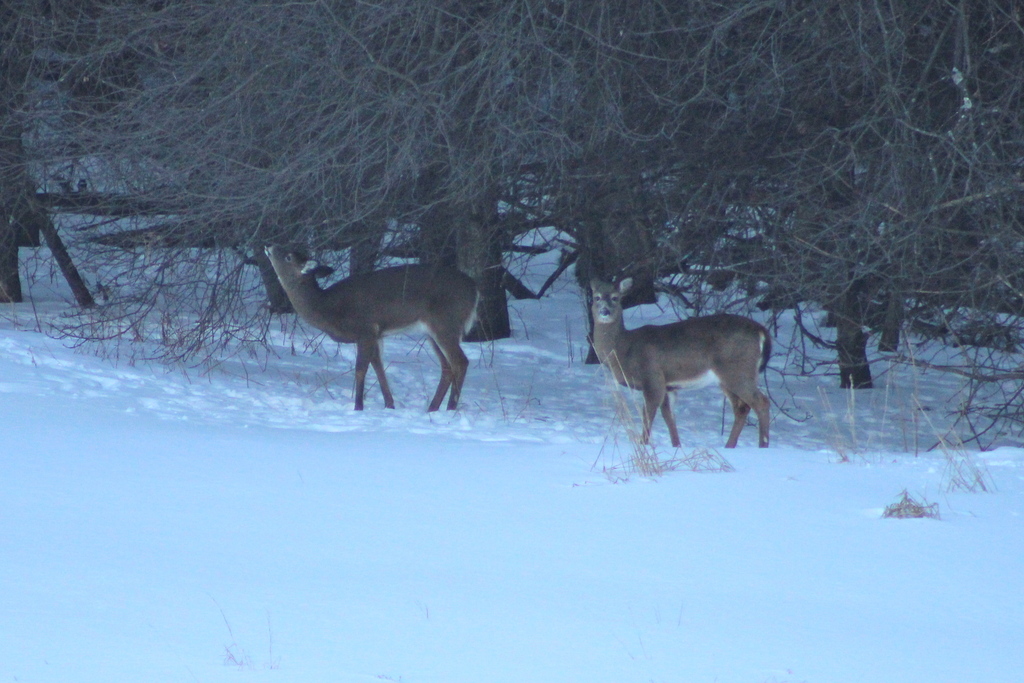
x=766, y=350
x=472, y=315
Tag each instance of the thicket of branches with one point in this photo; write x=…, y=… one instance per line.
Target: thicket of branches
x=859, y=156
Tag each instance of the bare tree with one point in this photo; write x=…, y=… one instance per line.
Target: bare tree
x=858, y=157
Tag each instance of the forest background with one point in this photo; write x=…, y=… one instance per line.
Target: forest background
x=862, y=158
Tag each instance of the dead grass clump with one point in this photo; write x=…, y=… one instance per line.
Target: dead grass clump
x=962, y=472
x=643, y=459
x=646, y=463
x=704, y=460
x=909, y=508
x=843, y=443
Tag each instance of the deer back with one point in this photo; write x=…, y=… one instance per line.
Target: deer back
x=682, y=354
x=730, y=346
x=440, y=298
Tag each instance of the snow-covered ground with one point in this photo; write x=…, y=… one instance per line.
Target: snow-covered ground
x=246, y=525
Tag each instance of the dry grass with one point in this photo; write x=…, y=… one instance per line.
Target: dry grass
x=643, y=459
x=907, y=507
x=838, y=439
x=704, y=460
x=962, y=472
x=637, y=459
x=236, y=656
x=651, y=466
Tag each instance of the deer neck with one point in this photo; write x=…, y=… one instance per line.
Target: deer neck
x=307, y=299
x=608, y=337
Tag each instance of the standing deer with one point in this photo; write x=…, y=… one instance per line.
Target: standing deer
x=362, y=309
x=690, y=354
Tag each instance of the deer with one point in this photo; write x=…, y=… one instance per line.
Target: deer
x=688, y=354
x=438, y=300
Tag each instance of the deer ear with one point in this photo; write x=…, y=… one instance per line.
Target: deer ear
x=316, y=270
x=625, y=285
x=594, y=284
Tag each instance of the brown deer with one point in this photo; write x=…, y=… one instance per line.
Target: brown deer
x=362, y=309
x=689, y=354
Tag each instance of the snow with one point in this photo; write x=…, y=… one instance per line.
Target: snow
x=246, y=524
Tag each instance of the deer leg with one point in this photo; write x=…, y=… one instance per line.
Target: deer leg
x=444, y=382
x=459, y=364
x=382, y=379
x=670, y=419
x=761, y=404
x=362, y=363
x=368, y=353
x=454, y=365
x=740, y=410
x=654, y=396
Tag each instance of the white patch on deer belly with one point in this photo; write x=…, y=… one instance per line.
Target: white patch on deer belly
x=708, y=379
x=415, y=328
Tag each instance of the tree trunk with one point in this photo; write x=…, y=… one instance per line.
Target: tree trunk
x=851, y=345
x=364, y=254
x=10, y=283
x=479, y=255
x=598, y=260
x=12, y=77
x=20, y=213
x=889, y=340
x=438, y=235
x=614, y=234
x=67, y=267
x=277, y=298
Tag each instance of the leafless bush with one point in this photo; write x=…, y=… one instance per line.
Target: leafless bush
x=908, y=507
x=859, y=157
